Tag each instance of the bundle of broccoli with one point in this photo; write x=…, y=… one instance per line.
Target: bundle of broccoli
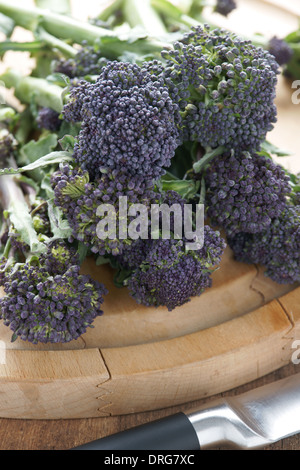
x=176, y=119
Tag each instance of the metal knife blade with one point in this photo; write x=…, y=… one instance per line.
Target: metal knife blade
x=253, y=419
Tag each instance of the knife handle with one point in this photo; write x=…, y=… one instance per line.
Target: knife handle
x=174, y=432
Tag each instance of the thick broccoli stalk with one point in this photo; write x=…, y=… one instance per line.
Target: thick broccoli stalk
x=30, y=90
x=129, y=122
x=46, y=298
x=277, y=248
x=225, y=87
x=245, y=192
x=65, y=27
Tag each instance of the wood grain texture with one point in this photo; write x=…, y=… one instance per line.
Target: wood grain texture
x=142, y=377
x=18, y=434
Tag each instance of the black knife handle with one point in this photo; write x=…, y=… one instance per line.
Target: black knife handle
x=171, y=433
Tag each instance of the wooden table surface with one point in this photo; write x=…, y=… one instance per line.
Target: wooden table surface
x=17, y=434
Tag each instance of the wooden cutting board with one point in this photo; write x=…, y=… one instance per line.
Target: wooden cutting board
x=138, y=359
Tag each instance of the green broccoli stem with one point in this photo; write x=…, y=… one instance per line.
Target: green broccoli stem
x=58, y=25
x=30, y=89
x=209, y=155
x=66, y=27
x=10, y=192
x=32, y=47
x=172, y=13
x=55, y=43
x=110, y=9
x=17, y=212
x=141, y=13
x=44, y=41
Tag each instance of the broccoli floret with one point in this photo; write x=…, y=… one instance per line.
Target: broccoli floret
x=281, y=50
x=79, y=198
x=48, y=119
x=170, y=275
x=244, y=192
x=277, y=248
x=134, y=254
x=88, y=61
x=225, y=87
x=129, y=122
x=46, y=298
x=164, y=272
x=49, y=300
x=225, y=7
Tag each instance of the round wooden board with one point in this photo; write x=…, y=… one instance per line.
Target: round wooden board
x=138, y=359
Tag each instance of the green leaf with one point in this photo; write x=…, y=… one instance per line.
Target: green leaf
x=121, y=276
x=59, y=79
x=7, y=25
x=101, y=260
x=186, y=188
x=82, y=251
x=59, y=226
x=67, y=142
x=51, y=159
x=21, y=220
x=273, y=149
x=34, y=150
x=207, y=158
x=76, y=189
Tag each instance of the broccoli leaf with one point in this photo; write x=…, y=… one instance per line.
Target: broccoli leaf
x=59, y=226
x=33, y=150
x=21, y=220
x=50, y=159
x=7, y=25
x=269, y=148
x=186, y=188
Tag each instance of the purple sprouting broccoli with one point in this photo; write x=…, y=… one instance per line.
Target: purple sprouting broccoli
x=47, y=300
x=170, y=275
x=79, y=199
x=129, y=123
x=281, y=50
x=277, y=248
x=48, y=119
x=245, y=192
x=225, y=87
x=225, y=7
x=89, y=60
x=164, y=271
